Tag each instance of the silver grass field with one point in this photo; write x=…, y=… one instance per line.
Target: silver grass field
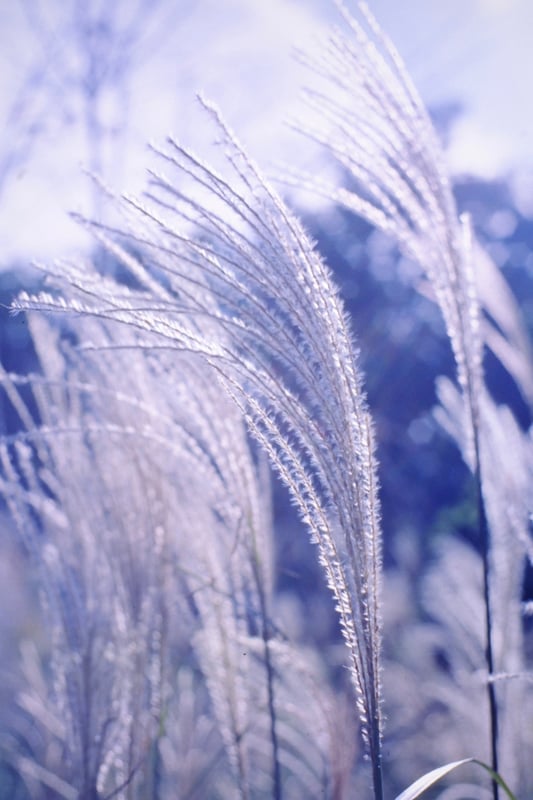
x=166, y=404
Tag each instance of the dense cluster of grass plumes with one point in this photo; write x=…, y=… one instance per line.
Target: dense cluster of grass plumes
x=139, y=485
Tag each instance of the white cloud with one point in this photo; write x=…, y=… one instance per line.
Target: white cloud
x=476, y=150
x=240, y=54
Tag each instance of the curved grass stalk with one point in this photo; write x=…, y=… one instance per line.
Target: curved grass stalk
x=373, y=123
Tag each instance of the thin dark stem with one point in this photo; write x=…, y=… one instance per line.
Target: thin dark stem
x=489, y=649
x=265, y=635
x=377, y=772
x=272, y=712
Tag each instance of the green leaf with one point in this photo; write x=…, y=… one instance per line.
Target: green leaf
x=426, y=781
x=419, y=786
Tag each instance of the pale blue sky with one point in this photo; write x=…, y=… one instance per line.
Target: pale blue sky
x=238, y=52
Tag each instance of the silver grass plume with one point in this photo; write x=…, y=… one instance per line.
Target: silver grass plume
x=434, y=664
x=87, y=513
x=372, y=121
x=208, y=485
x=223, y=554
x=241, y=284
x=190, y=748
x=507, y=471
x=191, y=443
x=147, y=463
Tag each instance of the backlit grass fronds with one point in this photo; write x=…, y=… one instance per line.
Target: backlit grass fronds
x=372, y=121
x=507, y=470
x=166, y=566
x=239, y=282
x=86, y=508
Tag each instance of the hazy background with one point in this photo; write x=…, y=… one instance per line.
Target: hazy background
x=86, y=84
x=471, y=57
